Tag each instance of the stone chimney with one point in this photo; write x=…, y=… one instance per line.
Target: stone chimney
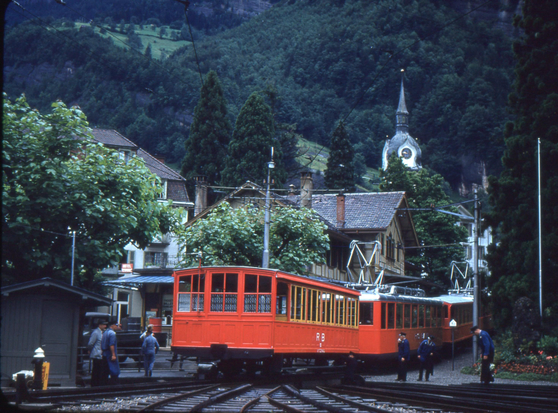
x=200, y=203
x=341, y=210
x=306, y=188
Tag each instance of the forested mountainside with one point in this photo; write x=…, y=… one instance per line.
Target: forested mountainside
x=324, y=60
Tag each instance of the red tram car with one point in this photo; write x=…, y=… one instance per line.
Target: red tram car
x=245, y=314
x=385, y=312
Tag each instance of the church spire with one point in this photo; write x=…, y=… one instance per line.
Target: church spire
x=402, y=115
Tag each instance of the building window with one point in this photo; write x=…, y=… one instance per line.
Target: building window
x=121, y=305
x=155, y=259
x=163, y=194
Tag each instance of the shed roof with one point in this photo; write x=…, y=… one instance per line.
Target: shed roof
x=44, y=284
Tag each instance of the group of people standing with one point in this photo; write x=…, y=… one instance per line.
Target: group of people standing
x=425, y=354
x=103, y=352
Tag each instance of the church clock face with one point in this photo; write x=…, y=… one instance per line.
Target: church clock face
x=406, y=153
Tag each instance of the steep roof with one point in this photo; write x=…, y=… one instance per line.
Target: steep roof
x=366, y=212
x=159, y=168
x=113, y=139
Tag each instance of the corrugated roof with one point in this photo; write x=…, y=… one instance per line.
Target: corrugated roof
x=141, y=279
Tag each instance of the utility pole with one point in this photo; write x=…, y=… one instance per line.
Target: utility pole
x=476, y=295
x=73, y=254
x=265, y=258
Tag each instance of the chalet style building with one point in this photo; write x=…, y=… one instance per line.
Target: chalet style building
x=151, y=267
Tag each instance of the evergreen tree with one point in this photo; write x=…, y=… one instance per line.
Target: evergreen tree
x=250, y=147
x=514, y=262
x=340, y=171
x=206, y=146
x=436, y=231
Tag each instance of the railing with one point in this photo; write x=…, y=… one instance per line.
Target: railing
x=131, y=357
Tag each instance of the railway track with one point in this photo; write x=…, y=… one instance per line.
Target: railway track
x=193, y=396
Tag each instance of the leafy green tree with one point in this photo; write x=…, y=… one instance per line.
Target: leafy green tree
x=250, y=147
x=56, y=180
x=340, y=171
x=230, y=236
x=513, y=261
x=436, y=231
x=207, y=143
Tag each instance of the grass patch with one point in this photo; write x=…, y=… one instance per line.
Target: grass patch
x=314, y=156
x=160, y=47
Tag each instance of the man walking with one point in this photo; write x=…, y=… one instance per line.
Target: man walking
x=96, y=354
x=149, y=348
x=110, y=352
x=404, y=355
x=426, y=357
x=486, y=346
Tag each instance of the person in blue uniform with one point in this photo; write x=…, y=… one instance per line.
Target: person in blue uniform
x=486, y=346
x=426, y=357
x=110, y=352
x=404, y=356
x=149, y=348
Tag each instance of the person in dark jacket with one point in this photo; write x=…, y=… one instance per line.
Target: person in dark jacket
x=96, y=354
x=404, y=356
x=486, y=346
x=426, y=357
x=149, y=348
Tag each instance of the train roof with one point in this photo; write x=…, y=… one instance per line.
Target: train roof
x=456, y=298
x=301, y=279
x=370, y=296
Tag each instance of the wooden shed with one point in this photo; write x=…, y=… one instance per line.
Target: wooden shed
x=43, y=313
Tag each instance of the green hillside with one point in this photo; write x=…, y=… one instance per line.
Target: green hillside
x=328, y=60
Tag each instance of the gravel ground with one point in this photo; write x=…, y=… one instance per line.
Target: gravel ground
x=443, y=373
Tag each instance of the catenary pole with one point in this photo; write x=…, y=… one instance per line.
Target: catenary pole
x=476, y=303
x=540, y=225
x=265, y=258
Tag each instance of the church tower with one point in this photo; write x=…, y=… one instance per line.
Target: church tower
x=402, y=143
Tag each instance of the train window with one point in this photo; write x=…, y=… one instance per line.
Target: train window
x=427, y=316
x=445, y=311
x=340, y=310
x=383, y=314
x=391, y=315
x=188, y=297
x=281, y=302
x=224, y=293
x=421, y=316
x=254, y=300
x=298, y=303
x=314, y=306
x=414, y=318
x=407, y=316
x=399, y=315
x=352, y=312
x=250, y=283
x=367, y=313
x=326, y=307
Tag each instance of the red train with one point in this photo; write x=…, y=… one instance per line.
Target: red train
x=247, y=317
